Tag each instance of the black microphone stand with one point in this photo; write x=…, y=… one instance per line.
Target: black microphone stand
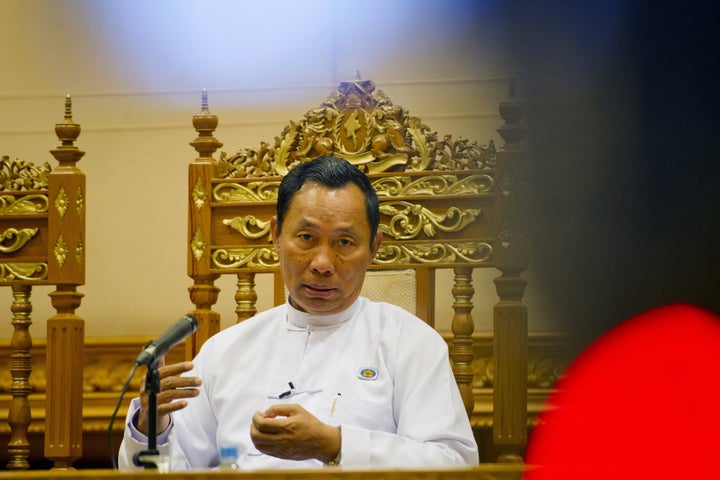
x=152, y=387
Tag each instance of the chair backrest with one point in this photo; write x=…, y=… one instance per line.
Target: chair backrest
x=445, y=203
x=42, y=242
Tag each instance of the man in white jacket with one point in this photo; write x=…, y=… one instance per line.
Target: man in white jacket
x=328, y=378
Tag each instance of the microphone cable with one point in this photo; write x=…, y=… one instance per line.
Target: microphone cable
x=112, y=417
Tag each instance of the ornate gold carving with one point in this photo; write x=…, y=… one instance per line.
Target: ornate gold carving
x=462, y=154
x=80, y=202
x=18, y=239
x=227, y=258
x=418, y=132
x=429, y=185
x=432, y=185
x=408, y=220
x=19, y=175
x=27, y=204
x=545, y=368
x=283, y=149
x=247, y=162
x=60, y=251
x=199, y=194
x=249, y=225
x=432, y=253
x=61, y=202
x=23, y=271
x=198, y=245
x=79, y=251
x=250, y=192
x=354, y=136
x=546, y=362
x=363, y=126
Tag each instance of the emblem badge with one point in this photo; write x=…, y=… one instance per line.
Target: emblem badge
x=368, y=374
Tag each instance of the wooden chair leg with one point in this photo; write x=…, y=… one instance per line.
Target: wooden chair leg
x=510, y=331
x=203, y=294
x=20, y=368
x=65, y=363
x=462, y=328
x=245, y=296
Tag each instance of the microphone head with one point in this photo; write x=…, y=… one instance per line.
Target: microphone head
x=181, y=329
x=193, y=321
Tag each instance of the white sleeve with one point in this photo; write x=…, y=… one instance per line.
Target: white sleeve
x=135, y=442
x=189, y=441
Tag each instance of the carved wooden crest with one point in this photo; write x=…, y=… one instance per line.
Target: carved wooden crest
x=363, y=126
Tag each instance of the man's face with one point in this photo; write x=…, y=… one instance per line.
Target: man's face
x=324, y=247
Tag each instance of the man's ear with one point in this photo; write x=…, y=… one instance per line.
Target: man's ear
x=274, y=231
x=376, y=243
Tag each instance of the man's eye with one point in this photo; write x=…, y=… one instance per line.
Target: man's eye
x=346, y=242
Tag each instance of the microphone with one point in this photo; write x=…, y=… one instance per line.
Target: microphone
x=172, y=336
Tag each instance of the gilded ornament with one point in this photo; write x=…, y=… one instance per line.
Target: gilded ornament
x=408, y=220
x=250, y=192
x=352, y=132
x=364, y=127
x=473, y=184
x=17, y=239
x=462, y=154
x=227, y=258
x=80, y=251
x=249, y=225
x=417, y=132
x=60, y=251
x=248, y=162
x=62, y=202
x=23, y=271
x=198, y=245
x=434, y=253
x=282, y=152
x=433, y=185
x=16, y=175
x=199, y=194
x=80, y=202
x=27, y=204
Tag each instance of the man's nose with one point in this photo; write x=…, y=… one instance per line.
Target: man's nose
x=322, y=260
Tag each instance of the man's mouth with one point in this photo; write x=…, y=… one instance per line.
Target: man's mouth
x=318, y=290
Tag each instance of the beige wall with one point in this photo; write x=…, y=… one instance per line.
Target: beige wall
x=135, y=71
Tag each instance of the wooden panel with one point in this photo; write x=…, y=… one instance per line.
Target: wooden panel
x=481, y=472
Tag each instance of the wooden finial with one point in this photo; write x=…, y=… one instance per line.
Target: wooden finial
x=512, y=111
x=68, y=108
x=511, y=93
x=205, y=123
x=204, y=106
x=67, y=131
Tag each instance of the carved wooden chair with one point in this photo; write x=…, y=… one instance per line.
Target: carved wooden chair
x=445, y=204
x=42, y=242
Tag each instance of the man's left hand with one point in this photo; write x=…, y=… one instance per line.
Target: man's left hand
x=291, y=432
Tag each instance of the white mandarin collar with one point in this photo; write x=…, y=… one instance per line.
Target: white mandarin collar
x=305, y=320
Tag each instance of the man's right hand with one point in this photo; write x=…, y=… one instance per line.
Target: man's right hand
x=172, y=387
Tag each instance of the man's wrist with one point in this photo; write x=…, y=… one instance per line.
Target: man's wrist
x=136, y=423
x=335, y=461
x=337, y=434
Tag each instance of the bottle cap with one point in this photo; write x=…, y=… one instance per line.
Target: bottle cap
x=228, y=451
